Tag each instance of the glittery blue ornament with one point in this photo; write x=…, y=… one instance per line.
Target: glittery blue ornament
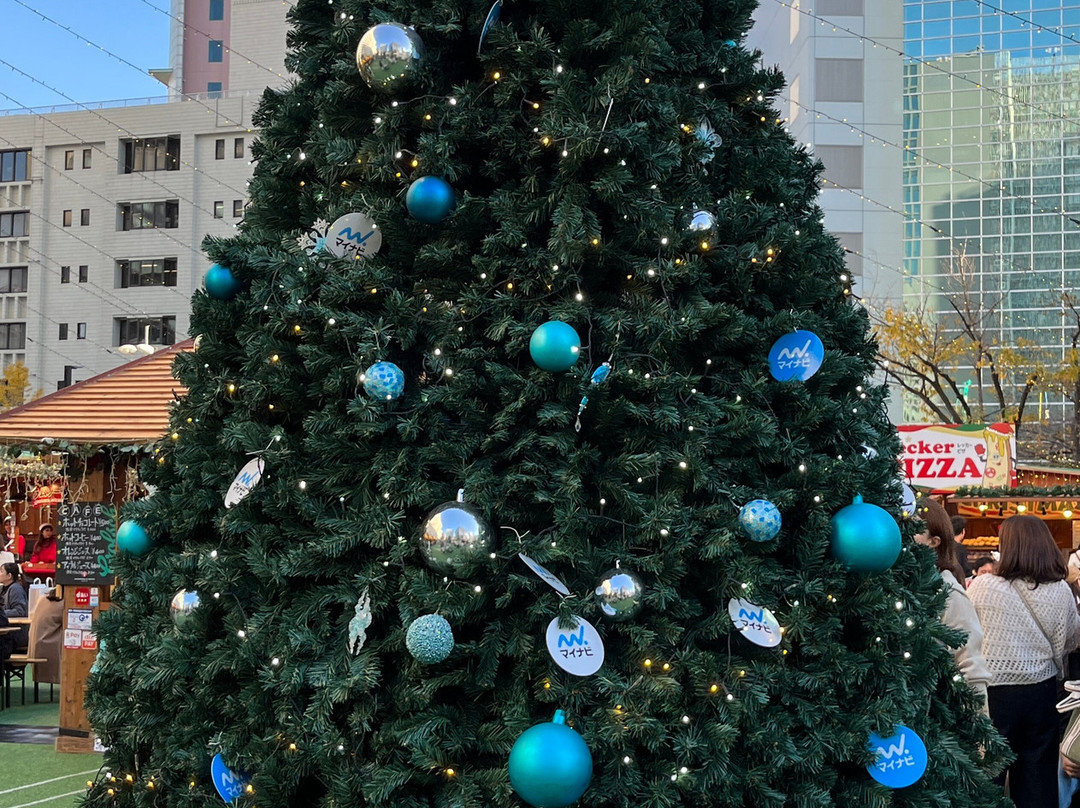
x=760, y=520
x=555, y=346
x=430, y=199
x=430, y=639
x=220, y=283
x=864, y=537
x=550, y=764
x=384, y=381
x=133, y=538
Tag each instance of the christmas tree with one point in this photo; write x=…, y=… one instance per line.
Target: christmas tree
x=576, y=273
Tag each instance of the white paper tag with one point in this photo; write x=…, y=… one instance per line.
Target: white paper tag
x=247, y=479
x=577, y=650
x=754, y=622
x=909, y=500
x=545, y=575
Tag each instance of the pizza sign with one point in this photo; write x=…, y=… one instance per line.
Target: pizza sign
x=945, y=457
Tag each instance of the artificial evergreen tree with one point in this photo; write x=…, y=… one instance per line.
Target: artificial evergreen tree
x=616, y=166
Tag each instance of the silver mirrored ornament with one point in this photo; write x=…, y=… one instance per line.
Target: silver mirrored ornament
x=455, y=538
x=619, y=594
x=701, y=221
x=388, y=55
x=183, y=604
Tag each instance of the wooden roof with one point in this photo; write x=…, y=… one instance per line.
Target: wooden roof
x=128, y=404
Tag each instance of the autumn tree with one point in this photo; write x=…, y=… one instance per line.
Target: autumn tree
x=15, y=386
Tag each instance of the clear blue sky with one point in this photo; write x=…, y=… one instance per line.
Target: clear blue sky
x=132, y=29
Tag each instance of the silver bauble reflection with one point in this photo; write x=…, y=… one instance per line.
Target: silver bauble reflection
x=701, y=221
x=619, y=594
x=388, y=55
x=455, y=538
x=183, y=604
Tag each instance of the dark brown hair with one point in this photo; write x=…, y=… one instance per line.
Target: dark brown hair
x=938, y=524
x=1028, y=551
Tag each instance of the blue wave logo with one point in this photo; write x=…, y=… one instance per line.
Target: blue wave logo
x=753, y=617
x=570, y=640
x=894, y=750
x=348, y=234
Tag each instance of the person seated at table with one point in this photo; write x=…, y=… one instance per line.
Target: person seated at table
x=45, y=547
x=14, y=541
x=13, y=599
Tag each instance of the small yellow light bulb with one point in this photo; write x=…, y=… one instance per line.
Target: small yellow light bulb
x=427, y=117
x=275, y=358
x=496, y=75
x=296, y=328
x=231, y=388
x=292, y=747
x=250, y=789
x=647, y=663
x=536, y=105
x=667, y=667
x=714, y=689
x=150, y=784
x=1021, y=508
x=704, y=245
x=175, y=436
x=415, y=162
x=595, y=241
x=450, y=773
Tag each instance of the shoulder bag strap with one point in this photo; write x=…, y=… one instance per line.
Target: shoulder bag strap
x=1042, y=629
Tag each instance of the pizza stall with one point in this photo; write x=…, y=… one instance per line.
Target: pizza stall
x=85, y=443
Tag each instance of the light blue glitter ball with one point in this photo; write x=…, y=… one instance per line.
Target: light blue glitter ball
x=760, y=520
x=384, y=381
x=430, y=639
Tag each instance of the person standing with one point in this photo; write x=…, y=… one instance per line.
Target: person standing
x=1030, y=623
x=959, y=530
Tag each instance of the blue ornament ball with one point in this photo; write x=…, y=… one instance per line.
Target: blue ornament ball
x=133, y=538
x=550, y=764
x=760, y=520
x=430, y=199
x=429, y=639
x=220, y=283
x=864, y=537
x=555, y=346
x=384, y=381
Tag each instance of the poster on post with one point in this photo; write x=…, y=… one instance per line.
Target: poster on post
x=86, y=543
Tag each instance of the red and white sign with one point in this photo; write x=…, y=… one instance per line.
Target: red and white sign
x=945, y=457
x=82, y=596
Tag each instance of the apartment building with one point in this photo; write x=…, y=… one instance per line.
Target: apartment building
x=103, y=210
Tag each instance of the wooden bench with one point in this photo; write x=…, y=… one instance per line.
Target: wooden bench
x=15, y=668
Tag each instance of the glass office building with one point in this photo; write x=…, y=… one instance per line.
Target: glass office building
x=992, y=170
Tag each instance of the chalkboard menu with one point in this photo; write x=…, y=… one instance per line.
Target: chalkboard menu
x=86, y=543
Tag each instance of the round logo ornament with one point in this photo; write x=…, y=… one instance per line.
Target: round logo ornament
x=796, y=356
x=899, y=760
x=228, y=784
x=354, y=235
x=248, y=478
x=578, y=650
x=755, y=623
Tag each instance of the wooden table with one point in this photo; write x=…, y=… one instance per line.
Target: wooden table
x=19, y=621
x=10, y=629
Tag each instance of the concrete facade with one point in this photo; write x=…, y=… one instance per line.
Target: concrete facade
x=103, y=210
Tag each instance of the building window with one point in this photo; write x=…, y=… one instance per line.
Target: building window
x=219, y=210
x=237, y=208
x=149, y=272
x=84, y=273
x=86, y=157
x=238, y=147
x=838, y=79
x=219, y=149
x=13, y=225
x=68, y=380
x=69, y=160
x=843, y=165
x=217, y=50
x=67, y=218
x=65, y=274
x=13, y=165
x=213, y=89
x=217, y=9
x=80, y=331
x=63, y=330
x=131, y=331
x=152, y=154
x=84, y=217
x=12, y=280
x=150, y=215
x=12, y=336
x=837, y=8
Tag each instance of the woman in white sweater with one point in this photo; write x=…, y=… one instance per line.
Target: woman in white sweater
x=1029, y=622
x=959, y=613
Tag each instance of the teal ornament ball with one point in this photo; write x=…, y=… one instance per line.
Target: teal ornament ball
x=430, y=199
x=220, y=283
x=550, y=764
x=133, y=538
x=555, y=346
x=429, y=639
x=384, y=381
x=760, y=520
x=864, y=537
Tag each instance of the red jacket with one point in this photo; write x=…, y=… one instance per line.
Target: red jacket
x=44, y=553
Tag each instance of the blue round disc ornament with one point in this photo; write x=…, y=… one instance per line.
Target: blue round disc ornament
x=864, y=537
x=430, y=199
x=220, y=283
x=132, y=538
x=796, y=356
x=429, y=639
x=760, y=520
x=555, y=346
x=899, y=760
x=229, y=784
x=550, y=764
x=383, y=381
